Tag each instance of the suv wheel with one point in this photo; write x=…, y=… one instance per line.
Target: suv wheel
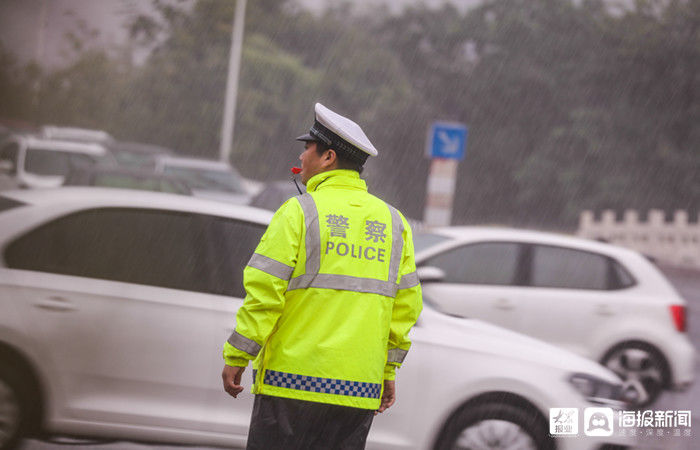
x=495, y=425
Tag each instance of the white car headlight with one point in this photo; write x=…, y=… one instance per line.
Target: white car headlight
x=597, y=390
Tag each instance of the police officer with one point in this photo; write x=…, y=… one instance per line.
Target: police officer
x=332, y=293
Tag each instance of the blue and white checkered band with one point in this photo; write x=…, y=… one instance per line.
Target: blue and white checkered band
x=322, y=385
x=337, y=143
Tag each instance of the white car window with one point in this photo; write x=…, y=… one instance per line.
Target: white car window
x=152, y=247
x=156, y=248
x=482, y=263
x=568, y=268
x=9, y=153
x=229, y=246
x=7, y=203
x=622, y=278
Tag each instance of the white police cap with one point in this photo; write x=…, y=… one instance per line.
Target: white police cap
x=339, y=133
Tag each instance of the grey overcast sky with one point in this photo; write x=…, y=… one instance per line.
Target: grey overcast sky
x=20, y=22
x=20, y=25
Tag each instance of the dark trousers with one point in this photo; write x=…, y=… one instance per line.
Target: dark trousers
x=283, y=423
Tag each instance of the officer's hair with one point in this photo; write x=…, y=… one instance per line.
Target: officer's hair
x=344, y=162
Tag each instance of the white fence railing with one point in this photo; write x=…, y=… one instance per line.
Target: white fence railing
x=676, y=242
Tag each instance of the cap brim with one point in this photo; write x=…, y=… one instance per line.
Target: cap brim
x=306, y=138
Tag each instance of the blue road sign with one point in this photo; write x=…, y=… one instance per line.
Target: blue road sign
x=447, y=140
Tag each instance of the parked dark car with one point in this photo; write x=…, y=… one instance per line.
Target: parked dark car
x=135, y=154
x=123, y=178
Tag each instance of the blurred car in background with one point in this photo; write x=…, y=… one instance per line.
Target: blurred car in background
x=75, y=134
x=274, y=193
x=4, y=132
x=31, y=162
x=138, y=155
x=209, y=179
x=126, y=178
x=601, y=301
x=114, y=308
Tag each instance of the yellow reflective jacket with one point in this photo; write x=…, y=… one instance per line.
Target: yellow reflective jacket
x=332, y=293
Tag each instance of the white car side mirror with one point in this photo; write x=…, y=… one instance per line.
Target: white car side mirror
x=430, y=273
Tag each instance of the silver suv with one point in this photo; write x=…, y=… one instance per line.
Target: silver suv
x=32, y=162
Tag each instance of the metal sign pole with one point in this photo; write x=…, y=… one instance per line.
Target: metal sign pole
x=234, y=66
x=441, y=188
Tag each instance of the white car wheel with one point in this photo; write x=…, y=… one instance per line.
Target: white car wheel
x=495, y=426
x=494, y=434
x=641, y=368
x=10, y=412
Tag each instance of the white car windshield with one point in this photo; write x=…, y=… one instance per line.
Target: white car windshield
x=210, y=180
x=134, y=158
x=55, y=162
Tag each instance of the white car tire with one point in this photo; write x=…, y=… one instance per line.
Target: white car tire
x=640, y=366
x=495, y=425
x=14, y=403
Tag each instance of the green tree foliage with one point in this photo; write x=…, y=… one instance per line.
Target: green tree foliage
x=570, y=105
x=89, y=93
x=16, y=87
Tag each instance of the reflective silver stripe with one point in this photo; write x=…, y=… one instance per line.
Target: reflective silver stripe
x=301, y=282
x=396, y=355
x=345, y=283
x=313, y=237
x=409, y=280
x=271, y=266
x=244, y=344
x=396, y=244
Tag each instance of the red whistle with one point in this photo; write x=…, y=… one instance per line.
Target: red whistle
x=296, y=170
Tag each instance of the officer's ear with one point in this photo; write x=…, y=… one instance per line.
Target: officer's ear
x=330, y=157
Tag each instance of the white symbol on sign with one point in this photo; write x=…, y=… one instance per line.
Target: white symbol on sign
x=450, y=145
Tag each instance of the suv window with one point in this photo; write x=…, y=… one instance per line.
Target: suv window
x=568, y=268
x=9, y=152
x=482, y=263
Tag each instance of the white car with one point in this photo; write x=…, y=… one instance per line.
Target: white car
x=114, y=308
x=604, y=302
x=206, y=178
x=32, y=162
